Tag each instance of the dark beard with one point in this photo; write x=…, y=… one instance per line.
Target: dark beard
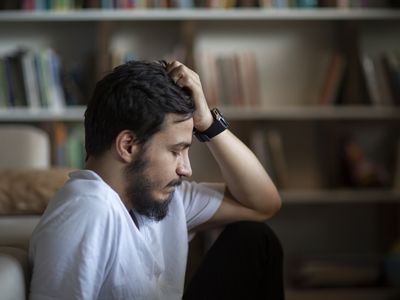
x=140, y=188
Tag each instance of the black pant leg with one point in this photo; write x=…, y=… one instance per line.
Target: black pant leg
x=245, y=262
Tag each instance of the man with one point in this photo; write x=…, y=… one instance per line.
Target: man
x=120, y=228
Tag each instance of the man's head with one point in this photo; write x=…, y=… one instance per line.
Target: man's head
x=138, y=105
x=134, y=96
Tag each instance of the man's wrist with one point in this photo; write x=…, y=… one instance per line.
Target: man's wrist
x=218, y=125
x=205, y=123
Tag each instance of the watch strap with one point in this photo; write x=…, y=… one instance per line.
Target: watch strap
x=219, y=125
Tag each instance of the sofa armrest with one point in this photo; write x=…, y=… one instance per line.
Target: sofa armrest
x=14, y=273
x=16, y=231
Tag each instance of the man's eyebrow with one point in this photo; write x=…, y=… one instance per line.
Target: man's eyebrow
x=183, y=118
x=182, y=145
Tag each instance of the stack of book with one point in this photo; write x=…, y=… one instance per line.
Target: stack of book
x=382, y=75
x=35, y=80
x=229, y=79
x=215, y=4
x=29, y=79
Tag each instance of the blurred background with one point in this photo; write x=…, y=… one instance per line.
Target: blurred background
x=311, y=86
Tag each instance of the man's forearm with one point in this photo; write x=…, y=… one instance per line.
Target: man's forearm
x=246, y=179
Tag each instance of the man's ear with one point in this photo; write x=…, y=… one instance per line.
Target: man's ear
x=126, y=146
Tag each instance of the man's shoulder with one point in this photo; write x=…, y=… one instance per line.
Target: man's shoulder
x=85, y=197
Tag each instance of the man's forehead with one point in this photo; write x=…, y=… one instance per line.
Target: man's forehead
x=177, y=118
x=178, y=126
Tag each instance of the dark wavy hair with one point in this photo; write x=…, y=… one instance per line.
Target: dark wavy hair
x=135, y=96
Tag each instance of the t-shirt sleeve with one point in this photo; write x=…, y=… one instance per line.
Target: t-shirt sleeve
x=201, y=201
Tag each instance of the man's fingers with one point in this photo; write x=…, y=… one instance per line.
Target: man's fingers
x=178, y=72
x=172, y=65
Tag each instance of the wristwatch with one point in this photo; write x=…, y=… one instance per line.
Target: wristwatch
x=218, y=126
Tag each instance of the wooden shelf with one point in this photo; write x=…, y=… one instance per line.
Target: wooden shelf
x=312, y=113
x=72, y=114
x=232, y=113
x=341, y=196
x=200, y=14
x=343, y=293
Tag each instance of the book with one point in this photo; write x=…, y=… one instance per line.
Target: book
x=334, y=76
x=4, y=92
x=278, y=159
x=383, y=82
x=377, y=80
x=28, y=5
x=9, y=81
x=206, y=68
x=307, y=3
x=372, y=80
x=230, y=79
x=43, y=78
x=30, y=80
x=68, y=145
x=224, y=95
x=10, y=5
x=391, y=63
x=59, y=137
x=258, y=145
x=75, y=147
x=57, y=93
x=254, y=79
x=73, y=83
x=48, y=67
x=396, y=175
x=16, y=80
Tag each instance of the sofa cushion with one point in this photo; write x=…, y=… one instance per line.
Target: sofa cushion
x=29, y=191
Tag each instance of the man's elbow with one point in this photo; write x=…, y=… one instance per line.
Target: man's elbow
x=276, y=203
x=273, y=204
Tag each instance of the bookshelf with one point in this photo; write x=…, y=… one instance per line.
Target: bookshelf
x=292, y=48
x=354, y=294
x=343, y=196
x=67, y=114
x=246, y=14
x=312, y=113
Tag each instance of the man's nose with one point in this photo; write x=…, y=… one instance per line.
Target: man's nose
x=184, y=168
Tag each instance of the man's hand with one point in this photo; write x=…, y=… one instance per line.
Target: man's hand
x=187, y=78
x=250, y=193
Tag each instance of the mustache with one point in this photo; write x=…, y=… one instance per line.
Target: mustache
x=175, y=182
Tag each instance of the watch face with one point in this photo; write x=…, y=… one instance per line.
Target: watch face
x=219, y=117
x=218, y=126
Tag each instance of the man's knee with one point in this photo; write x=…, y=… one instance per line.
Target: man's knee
x=250, y=233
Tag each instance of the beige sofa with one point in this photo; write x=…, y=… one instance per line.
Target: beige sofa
x=24, y=194
x=22, y=147
x=26, y=184
x=15, y=232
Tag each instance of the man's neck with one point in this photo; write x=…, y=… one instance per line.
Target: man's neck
x=112, y=173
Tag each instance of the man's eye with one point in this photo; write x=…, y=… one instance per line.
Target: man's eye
x=176, y=153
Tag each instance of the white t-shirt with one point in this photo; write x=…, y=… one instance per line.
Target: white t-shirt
x=87, y=246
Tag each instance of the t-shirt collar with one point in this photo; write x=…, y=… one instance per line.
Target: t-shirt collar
x=85, y=174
